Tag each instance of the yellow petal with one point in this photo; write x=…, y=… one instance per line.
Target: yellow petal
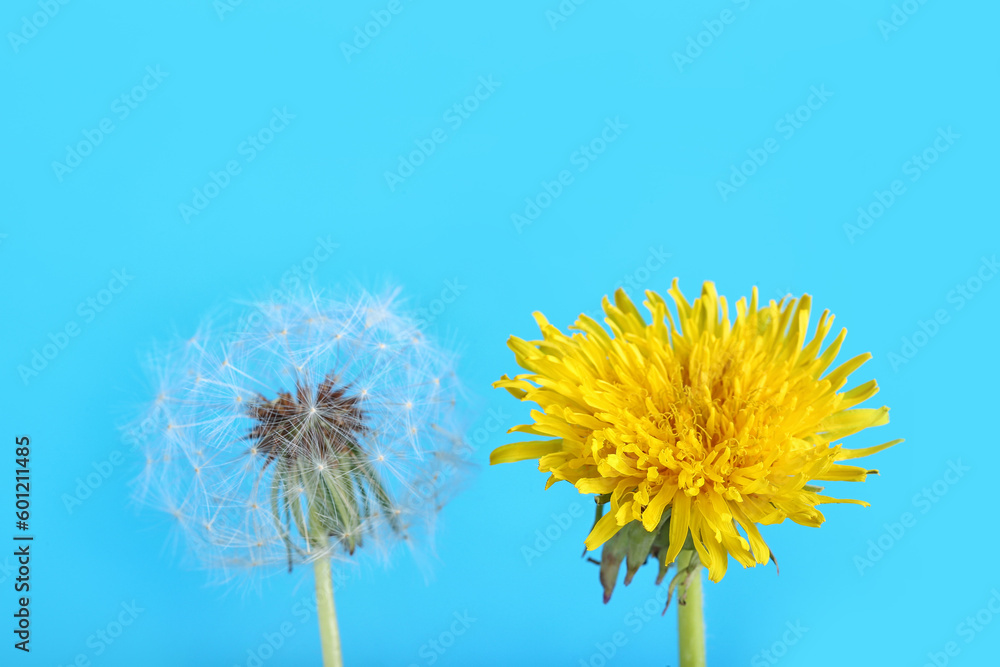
x=521, y=451
x=839, y=473
x=847, y=454
x=654, y=510
x=604, y=530
x=680, y=518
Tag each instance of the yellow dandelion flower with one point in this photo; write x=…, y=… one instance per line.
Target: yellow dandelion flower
x=705, y=426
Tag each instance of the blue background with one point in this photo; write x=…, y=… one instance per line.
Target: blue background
x=653, y=190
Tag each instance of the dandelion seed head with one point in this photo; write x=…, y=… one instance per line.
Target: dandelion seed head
x=298, y=429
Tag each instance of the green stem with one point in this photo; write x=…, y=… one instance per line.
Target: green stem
x=690, y=618
x=328, y=632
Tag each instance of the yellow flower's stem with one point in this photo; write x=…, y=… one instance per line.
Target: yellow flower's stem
x=328, y=631
x=690, y=617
